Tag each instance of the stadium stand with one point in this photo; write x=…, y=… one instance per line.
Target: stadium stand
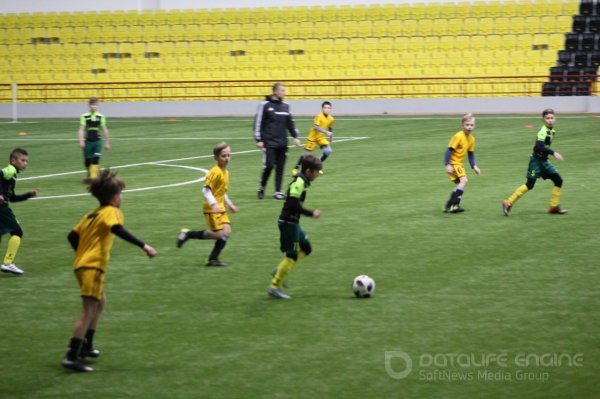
x=363, y=41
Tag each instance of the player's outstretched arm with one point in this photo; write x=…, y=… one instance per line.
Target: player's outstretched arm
x=558, y=156
x=122, y=233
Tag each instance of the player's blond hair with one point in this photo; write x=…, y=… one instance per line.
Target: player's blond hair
x=467, y=117
x=219, y=148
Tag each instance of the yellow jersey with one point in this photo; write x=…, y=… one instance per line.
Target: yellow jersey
x=217, y=180
x=95, y=237
x=324, y=122
x=461, y=144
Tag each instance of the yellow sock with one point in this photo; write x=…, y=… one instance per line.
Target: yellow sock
x=301, y=255
x=555, y=197
x=13, y=246
x=93, y=171
x=283, y=270
x=519, y=192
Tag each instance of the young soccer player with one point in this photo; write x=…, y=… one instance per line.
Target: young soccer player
x=216, y=200
x=8, y=222
x=320, y=135
x=293, y=241
x=91, y=124
x=539, y=166
x=461, y=144
x=92, y=239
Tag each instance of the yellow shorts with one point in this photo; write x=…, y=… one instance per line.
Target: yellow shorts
x=91, y=282
x=459, y=171
x=215, y=221
x=313, y=142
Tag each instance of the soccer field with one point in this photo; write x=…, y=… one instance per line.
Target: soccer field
x=471, y=305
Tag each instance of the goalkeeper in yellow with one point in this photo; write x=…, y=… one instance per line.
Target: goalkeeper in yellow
x=461, y=144
x=320, y=135
x=293, y=241
x=539, y=166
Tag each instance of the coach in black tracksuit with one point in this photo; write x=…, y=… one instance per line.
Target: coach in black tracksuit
x=272, y=119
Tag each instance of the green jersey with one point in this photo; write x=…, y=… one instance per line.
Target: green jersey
x=92, y=122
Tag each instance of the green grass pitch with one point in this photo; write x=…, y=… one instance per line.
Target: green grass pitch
x=483, y=305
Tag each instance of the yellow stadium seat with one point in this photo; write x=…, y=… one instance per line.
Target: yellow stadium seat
x=486, y=26
x=462, y=10
x=454, y=27
x=563, y=23
x=401, y=11
x=380, y=28
x=494, y=9
x=350, y=29
x=431, y=44
x=365, y=28
x=439, y=27
x=477, y=42
x=532, y=24
x=409, y=28
x=501, y=25
x=470, y=26
x=493, y=42
x=418, y=10
x=425, y=27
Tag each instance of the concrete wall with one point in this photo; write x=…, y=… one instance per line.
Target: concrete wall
x=527, y=105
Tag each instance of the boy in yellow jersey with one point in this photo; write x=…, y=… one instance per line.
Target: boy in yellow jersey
x=461, y=144
x=216, y=203
x=539, y=166
x=320, y=135
x=91, y=124
x=92, y=240
x=8, y=221
x=293, y=241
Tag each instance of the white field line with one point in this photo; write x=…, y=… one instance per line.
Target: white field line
x=165, y=162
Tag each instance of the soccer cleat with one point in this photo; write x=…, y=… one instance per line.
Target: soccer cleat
x=215, y=263
x=321, y=172
x=261, y=193
x=89, y=352
x=506, y=207
x=182, y=237
x=557, y=210
x=76, y=365
x=276, y=293
x=285, y=283
x=295, y=171
x=456, y=209
x=279, y=196
x=12, y=268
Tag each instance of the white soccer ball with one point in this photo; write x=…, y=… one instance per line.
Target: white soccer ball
x=363, y=286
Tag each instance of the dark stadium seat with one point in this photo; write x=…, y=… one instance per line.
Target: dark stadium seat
x=572, y=41
x=579, y=23
x=565, y=89
x=557, y=74
x=594, y=23
x=564, y=58
x=586, y=7
x=588, y=41
x=572, y=74
x=581, y=59
x=582, y=89
x=588, y=72
x=549, y=89
x=595, y=58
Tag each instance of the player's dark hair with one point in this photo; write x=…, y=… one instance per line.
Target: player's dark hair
x=547, y=111
x=105, y=186
x=93, y=100
x=219, y=148
x=16, y=152
x=310, y=162
x=325, y=103
x=277, y=86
